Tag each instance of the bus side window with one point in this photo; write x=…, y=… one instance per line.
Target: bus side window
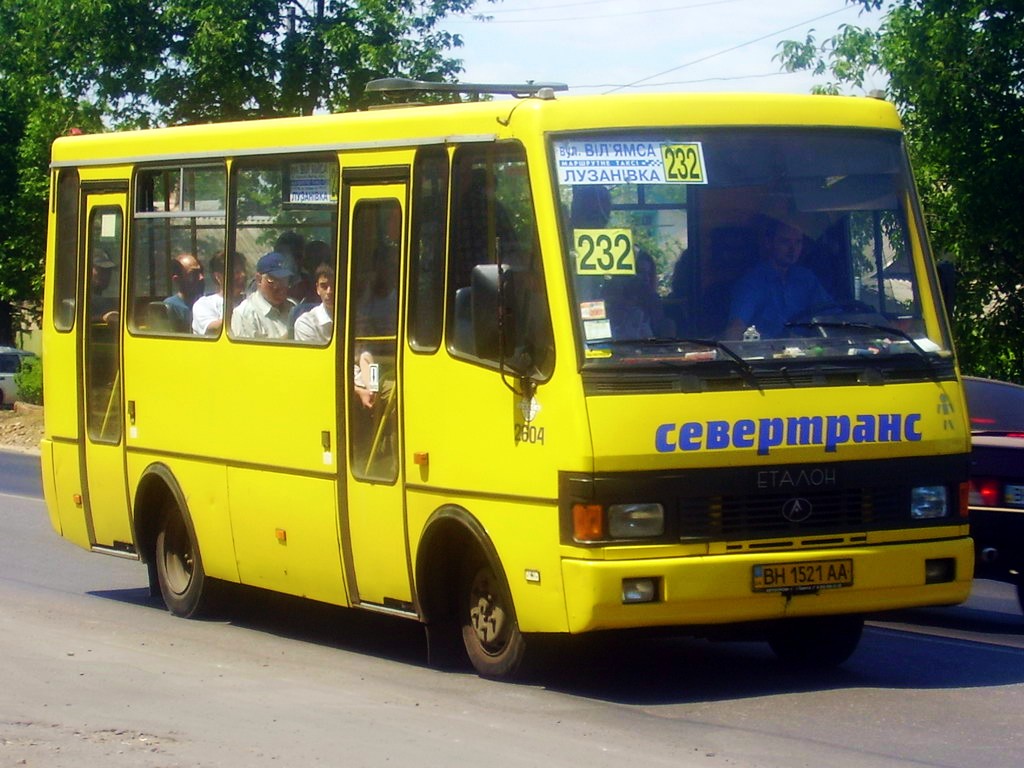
x=179, y=216
x=66, y=261
x=493, y=221
x=429, y=228
x=286, y=207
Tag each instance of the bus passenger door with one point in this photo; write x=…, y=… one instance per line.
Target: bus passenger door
x=103, y=468
x=373, y=519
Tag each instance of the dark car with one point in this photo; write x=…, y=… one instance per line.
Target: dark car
x=997, y=480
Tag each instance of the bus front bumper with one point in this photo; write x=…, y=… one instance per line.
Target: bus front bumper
x=722, y=589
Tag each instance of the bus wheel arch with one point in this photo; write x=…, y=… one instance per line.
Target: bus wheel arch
x=464, y=596
x=167, y=542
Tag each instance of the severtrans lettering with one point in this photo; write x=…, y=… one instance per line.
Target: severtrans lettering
x=830, y=432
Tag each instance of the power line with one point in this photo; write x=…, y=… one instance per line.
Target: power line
x=728, y=50
x=721, y=78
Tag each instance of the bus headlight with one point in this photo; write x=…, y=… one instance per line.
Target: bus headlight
x=636, y=521
x=928, y=501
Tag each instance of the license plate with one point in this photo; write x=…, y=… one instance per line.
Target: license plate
x=801, y=577
x=1014, y=495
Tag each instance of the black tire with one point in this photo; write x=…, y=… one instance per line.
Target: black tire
x=817, y=643
x=183, y=584
x=490, y=632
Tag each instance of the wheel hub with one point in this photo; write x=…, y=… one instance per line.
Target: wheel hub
x=486, y=614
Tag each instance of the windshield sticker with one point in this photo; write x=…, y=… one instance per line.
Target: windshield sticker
x=597, y=330
x=630, y=162
x=765, y=434
x=593, y=310
x=604, y=252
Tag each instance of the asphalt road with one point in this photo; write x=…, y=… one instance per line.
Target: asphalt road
x=19, y=474
x=96, y=673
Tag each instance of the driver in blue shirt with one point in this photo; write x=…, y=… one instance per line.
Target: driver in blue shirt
x=778, y=289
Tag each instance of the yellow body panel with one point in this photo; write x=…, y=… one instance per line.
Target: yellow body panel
x=367, y=130
x=61, y=483
x=525, y=535
x=777, y=426
x=286, y=533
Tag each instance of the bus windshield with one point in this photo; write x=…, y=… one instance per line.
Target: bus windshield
x=744, y=245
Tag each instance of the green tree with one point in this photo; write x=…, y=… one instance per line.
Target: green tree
x=109, y=64
x=32, y=111
x=956, y=73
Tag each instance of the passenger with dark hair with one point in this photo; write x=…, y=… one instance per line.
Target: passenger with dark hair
x=316, y=325
x=187, y=282
x=778, y=289
x=304, y=290
x=290, y=244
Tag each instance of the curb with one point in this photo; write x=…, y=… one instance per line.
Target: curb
x=20, y=449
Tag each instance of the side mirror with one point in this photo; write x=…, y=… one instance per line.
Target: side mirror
x=492, y=302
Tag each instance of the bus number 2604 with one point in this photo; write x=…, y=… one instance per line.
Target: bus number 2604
x=528, y=433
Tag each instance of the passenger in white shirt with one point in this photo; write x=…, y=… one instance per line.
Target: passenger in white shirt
x=265, y=313
x=208, y=311
x=316, y=325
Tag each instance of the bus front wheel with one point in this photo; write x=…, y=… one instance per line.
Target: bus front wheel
x=820, y=642
x=494, y=644
x=179, y=567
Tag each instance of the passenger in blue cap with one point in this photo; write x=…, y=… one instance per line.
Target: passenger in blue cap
x=265, y=313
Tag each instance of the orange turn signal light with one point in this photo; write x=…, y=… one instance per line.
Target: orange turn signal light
x=587, y=522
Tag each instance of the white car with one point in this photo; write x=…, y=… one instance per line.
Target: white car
x=10, y=364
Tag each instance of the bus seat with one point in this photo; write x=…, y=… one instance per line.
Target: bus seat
x=733, y=254
x=158, y=317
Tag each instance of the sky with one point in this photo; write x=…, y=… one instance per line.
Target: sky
x=601, y=46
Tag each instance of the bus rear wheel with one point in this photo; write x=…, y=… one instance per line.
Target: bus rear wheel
x=820, y=642
x=178, y=565
x=494, y=644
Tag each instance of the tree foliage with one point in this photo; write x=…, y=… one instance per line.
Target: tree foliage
x=956, y=73
x=109, y=64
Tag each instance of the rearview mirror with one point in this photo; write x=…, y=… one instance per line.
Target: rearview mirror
x=492, y=313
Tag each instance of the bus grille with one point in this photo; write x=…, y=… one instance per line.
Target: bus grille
x=753, y=516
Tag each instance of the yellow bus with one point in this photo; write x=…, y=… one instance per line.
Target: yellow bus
x=579, y=364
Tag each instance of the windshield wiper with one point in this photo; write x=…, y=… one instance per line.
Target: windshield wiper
x=745, y=368
x=860, y=325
